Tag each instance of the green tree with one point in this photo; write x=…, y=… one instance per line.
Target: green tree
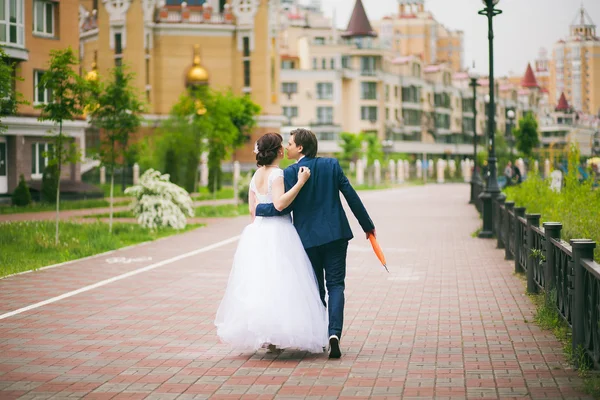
x=526, y=135
x=243, y=117
x=68, y=98
x=229, y=119
x=116, y=111
x=202, y=120
x=180, y=141
x=9, y=99
x=374, y=148
x=351, y=145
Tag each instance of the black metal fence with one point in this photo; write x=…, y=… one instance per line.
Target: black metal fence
x=477, y=189
x=553, y=265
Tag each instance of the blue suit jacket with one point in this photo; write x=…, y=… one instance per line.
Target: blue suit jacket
x=319, y=216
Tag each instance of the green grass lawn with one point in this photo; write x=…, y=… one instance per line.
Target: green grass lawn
x=30, y=245
x=117, y=190
x=65, y=205
x=220, y=211
x=205, y=194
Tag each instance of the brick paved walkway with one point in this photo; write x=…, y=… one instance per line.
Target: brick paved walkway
x=449, y=321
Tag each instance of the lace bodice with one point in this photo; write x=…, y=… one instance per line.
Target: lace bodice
x=264, y=198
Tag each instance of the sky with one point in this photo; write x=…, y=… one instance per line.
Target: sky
x=520, y=31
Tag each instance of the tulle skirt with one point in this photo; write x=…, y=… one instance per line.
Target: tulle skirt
x=272, y=295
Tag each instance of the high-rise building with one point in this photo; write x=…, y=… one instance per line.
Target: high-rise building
x=414, y=31
x=575, y=67
x=29, y=30
x=347, y=81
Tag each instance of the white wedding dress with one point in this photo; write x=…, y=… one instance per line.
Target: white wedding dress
x=272, y=295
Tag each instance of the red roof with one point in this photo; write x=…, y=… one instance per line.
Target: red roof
x=563, y=105
x=529, y=80
x=359, y=24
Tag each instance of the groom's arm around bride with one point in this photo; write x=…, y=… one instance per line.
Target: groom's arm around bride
x=318, y=213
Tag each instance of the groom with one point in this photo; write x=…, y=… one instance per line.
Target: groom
x=321, y=222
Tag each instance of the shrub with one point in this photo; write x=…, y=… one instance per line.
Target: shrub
x=576, y=206
x=21, y=197
x=159, y=203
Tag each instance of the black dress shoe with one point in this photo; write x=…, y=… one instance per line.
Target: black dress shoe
x=334, y=347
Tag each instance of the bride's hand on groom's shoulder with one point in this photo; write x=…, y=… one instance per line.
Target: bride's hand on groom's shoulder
x=303, y=175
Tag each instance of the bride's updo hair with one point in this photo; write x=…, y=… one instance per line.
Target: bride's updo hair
x=267, y=148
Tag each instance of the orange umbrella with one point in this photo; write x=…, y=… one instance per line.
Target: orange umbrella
x=378, y=251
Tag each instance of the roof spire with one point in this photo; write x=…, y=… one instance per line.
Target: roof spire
x=529, y=80
x=359, y=25
x=563, y=104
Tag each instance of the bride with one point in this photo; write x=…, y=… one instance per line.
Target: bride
x=272, y=297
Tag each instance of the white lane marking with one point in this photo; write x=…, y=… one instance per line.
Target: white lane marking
x=119, y=277
x=125, y=260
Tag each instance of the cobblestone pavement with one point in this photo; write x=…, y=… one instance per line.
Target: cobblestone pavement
x=450, y=320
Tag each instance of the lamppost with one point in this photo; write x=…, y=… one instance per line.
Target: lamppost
x=510, y=138
x=492, y=190
x=475, y=176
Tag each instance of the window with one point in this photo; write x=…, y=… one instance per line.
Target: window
x=39, y=158
x=246, y=73
x=43, y=22
x=324, y=90
x=287, y=64
x=41, y=95
x=442, y=121
x=411, y=117
x=290, y=112
x=367, y=66
x=411, y=94
x=368, y=90
x=345, y=62
x=467, y=105
x=315, y=65
x=246, y=46
x=325, y=115
x=416, y=70
x=387, y=92
x=396, y=115
x=11, y=22
x=396, y=92
x=246, y=60
x=326, y=136
x=368, y=113
x=289, y=88
x=323, y=64
x=442, y=100
x=387, y=114
x=319, y=40
x=332, y=63
x=118, y=49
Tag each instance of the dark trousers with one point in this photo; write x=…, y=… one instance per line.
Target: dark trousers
x=329, y=264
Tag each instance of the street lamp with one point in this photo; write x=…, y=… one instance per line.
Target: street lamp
x=492, y=190
x=475, y=177
x=510, y=138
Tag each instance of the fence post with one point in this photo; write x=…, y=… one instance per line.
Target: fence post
x=551, y=231
x=508, y=207
x=500, y=200
x=519, y=212
x=582, y=248
x=532, y=220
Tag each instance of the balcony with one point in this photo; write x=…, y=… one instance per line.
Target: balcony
x=15, y=52
x=12, y=30
x=368, y=72
x=194, y=15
